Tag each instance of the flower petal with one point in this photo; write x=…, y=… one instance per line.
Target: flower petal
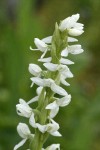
x=66, y=61
x=64, y=52
x=40, y=44
x=51, y=66
x=70, y=39
x=34, y=69
x=56, y=133
x=63, y=81
x=38, y=81
x=64, y=101
x=23, y=130
x=47, y=39
x=33, y=100
x=20, y=144
x=32, y=121
x=59, y=90
x=75, y=32
x=54, y=112
x=51, y=105
x=41, y=128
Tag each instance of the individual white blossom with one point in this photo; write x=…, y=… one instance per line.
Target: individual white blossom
x=42, y=46
x=70, y=23
x=23, y=109
x=73, y=49
x=49, y=83
x=59, y=102
x=53, y=147
x=34, y=69
x=63, y=70
x=51, y=128
x=24, y=132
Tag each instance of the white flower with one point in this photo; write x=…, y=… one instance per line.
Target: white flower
x=53, y=147
x=40, y=46
x=63, y=70
x=23, y=109
x=24, y=133
x=51, y=128
x=66, y=61
x=34, y=69
x=70, y=23
x=49, y=83
x=54, y=106
x=73, y=49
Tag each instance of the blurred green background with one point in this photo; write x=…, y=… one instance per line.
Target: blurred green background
x=20, y=22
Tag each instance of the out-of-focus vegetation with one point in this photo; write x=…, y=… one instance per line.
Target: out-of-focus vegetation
x=20, y=22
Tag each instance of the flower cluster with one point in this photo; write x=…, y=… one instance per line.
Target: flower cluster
x=49, y=82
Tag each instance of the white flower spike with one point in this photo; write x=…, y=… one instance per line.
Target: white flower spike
x=50, y=95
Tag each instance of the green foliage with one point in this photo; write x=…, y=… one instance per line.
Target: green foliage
x=79, y=122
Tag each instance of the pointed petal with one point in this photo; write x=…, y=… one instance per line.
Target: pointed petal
x=33, y=100
x=66, y=61
x=64, y=101
x=42, y=56
x=51, y=66
x=40, y=44
x=64, y=52
x=33, y=49
x=32, y=121
x=59, y=90
x=41, y=128
x=38, y=81
x=70, y=39
x=51, y=105
x=54, y=112
x=47, y=39
x=63, y=81
x=56, y=133
x=20, y=144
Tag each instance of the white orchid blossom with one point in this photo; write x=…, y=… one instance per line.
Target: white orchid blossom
x=54, y=106
x=34, y=69
x=41, y=46
x=51, y=128
x=49, y=83
x=23, y=109
x=70, y=23
x=24, y=132
x=73, y=49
